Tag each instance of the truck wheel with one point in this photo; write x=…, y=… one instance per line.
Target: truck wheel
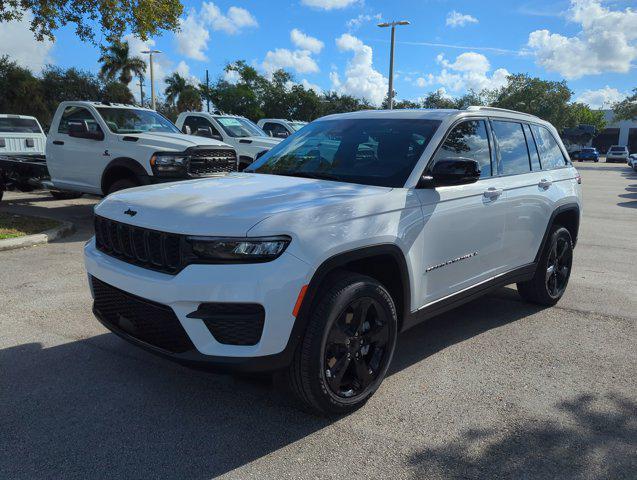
x=122, y=184
x=347, y=347
x=553, y=270
x=60, y=195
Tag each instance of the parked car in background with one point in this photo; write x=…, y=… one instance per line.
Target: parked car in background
x=632, y=161
x=360, y=227
x=246, y=138
x=99, y=148
x=617, y=153
x=21, y=135
x=279, y=128
x=587, y=153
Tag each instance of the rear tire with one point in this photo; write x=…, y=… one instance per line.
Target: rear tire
x=64, y=195
x=553, y=270
x=122, y=184
x=348, y=345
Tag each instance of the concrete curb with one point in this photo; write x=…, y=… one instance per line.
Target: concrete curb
x=65, y=228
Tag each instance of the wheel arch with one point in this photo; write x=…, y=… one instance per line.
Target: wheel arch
x=123, y=167
x=568, y=216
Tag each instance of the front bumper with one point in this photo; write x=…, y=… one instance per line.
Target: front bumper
x=274, y=285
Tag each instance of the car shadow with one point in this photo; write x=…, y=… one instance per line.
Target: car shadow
x=99, y=407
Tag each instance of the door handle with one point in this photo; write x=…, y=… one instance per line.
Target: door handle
x=492, y=193
x=544, y=183
x=58, y=142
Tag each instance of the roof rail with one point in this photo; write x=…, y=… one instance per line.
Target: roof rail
x=478, y=108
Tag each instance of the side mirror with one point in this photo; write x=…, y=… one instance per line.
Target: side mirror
x=452, y=171
x=186, y=129
x=80, y=130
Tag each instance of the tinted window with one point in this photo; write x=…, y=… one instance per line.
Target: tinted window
x=77, y=115
x=369, y=151
x=19, y=125
x=550, y=153
x=468, y=140
x=274, y=128
x=514, y=156
x=530, y=142
x=240, y=127
x=196, y=123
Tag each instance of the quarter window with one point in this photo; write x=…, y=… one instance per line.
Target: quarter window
x=530, y=142
x=78, y=116
x=468, y=140
x=514, y=156
x=550, y=152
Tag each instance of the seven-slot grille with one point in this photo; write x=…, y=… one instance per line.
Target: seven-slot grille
x=209, y=162
x=140, y=246
x=145, y=320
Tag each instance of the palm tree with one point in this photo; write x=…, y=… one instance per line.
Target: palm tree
x=116, y=62
x=175, y=85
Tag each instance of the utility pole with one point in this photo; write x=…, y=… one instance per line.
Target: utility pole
x=152, y=77
x=207, y=92
x=141, y=89
x=391, y=57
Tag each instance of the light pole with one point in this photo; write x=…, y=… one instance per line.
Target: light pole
x=391, y=57
x=152, y=77
x=141, y=89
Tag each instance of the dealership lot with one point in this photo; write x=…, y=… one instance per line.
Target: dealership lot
x=496, y=388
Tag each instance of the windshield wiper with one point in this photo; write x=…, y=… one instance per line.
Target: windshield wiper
x=314, y=175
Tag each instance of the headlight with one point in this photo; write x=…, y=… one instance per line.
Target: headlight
x=168, y=164
x=229, y=250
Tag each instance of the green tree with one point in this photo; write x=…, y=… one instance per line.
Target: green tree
x=22, y=93
x=175, y=85
x=189, y=100
x=305, y=103
x=106, y=19
x=333, y=102
x=438, y=100
x=59, y=85
x=117, y=92
x=117, y=63
x=582, y=114
x=627, y=108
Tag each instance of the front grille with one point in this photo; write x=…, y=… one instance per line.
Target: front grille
x=232, y=323
x=150, y=322
x=210, y=162
x=146, y=248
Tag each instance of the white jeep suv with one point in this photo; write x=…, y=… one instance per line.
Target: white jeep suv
x=344, y=235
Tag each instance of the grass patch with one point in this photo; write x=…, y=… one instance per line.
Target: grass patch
x=13, y=226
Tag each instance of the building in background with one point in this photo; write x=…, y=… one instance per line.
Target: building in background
x=622, y=133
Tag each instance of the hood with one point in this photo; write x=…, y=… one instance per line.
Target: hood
x=265, y=142
x=225, y=206
x=172, y=141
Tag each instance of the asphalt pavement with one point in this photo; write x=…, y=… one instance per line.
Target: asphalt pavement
x=495, y=389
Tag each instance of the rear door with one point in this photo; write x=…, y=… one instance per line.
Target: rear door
x=464, y=224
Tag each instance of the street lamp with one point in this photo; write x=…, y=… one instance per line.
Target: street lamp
x=152, y=78
x=391, y=57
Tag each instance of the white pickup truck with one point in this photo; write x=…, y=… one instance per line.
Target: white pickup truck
x=21, y=135
x=100, y=148
x=248, y=140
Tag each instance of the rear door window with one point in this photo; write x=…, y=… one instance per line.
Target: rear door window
x=530, y=142
x=468, y=140
x=514, y=155
x=550, y=153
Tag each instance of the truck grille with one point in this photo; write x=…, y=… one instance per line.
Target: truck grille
x=145, y=320
x=210, y=162
x=146, y=248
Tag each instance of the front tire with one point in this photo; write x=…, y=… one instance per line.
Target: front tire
x=347, y=347
x=553, y=270
x=122, y=184
x=64, y=195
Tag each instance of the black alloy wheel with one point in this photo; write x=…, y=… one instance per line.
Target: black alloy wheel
x=558, y=267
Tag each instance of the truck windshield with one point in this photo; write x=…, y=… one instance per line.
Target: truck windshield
x=380, y=152
x=296, y=126
x=239, y=127
x=130, y=120
x=19, y=125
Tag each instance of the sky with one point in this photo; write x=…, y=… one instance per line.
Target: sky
x=452, y=46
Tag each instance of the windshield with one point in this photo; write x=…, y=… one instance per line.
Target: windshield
x=239, y=127
x=296, y=126
x=129, y=120
x=19, y=125
x=379, y=152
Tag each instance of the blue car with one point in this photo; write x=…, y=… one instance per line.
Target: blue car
x=586, y=154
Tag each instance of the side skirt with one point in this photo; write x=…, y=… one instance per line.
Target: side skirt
x=455, y=300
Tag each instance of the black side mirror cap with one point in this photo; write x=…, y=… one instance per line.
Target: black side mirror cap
x=451, y=171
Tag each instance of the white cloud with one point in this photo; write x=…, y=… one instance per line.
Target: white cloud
x=329, y=4
x=311, y=86
x=361, y=79
x=231, y=76
x=192, y=39
x=356, y=22
x=300, y=61
x=305, y=42
x=469, y=71
x=602, y=98
x=606, y=42
x=457, y=19
x=17, y=41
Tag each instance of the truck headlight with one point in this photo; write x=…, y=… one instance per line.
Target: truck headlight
x=237, y=250
x=169, y=164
